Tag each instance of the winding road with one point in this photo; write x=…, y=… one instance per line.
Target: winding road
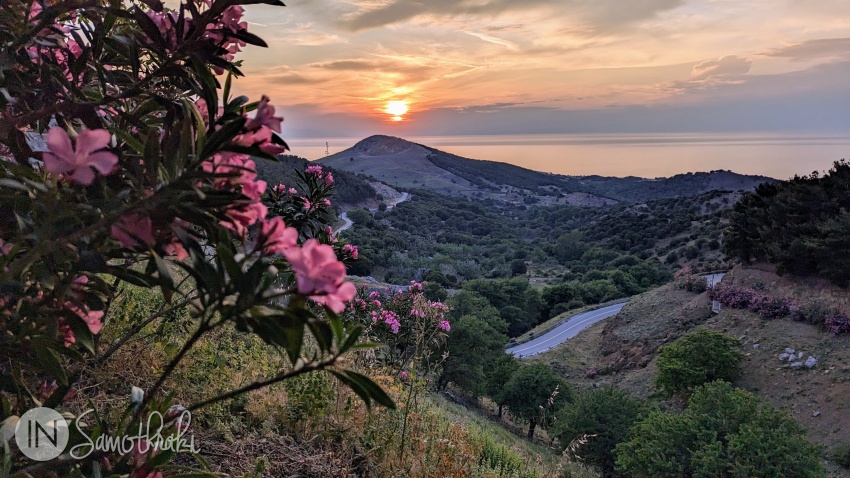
x=576, y=324
x=567, y=330
x=349, y=222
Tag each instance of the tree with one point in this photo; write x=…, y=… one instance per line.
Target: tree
x=497, y=375
x=518, y=267
x=697, y=358
x=435, y=291
x=360, y=216
x=724, y=432
x=604, y=418
x=533, y=394
x=472, y=346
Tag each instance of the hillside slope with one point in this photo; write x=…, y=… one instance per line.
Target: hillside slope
x=624, y=350
x=410, y=165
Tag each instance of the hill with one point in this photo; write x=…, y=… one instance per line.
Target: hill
x=405, y=164
x=624, y=349
x=350, y=191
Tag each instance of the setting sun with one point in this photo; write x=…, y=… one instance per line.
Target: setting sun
x=397, y=109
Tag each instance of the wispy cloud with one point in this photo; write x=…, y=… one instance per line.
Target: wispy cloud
x=811, y=49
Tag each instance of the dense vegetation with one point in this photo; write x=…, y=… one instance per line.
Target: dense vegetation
x=350, y=188
x=723, y=432
x=484, y=173
x=699, y=357
x=801, y=225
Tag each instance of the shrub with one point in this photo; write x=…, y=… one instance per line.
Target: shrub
x=148, y=177
x=768, y=307
x=724, y=432
x=697, y=358
x=602, y=417
x=733, y=296
x=687, y=280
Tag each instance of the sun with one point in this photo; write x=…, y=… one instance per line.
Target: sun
x=397, y=109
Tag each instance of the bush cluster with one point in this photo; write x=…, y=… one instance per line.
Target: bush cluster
x=772, y=307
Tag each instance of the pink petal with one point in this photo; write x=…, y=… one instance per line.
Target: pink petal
x=103, y=161
x=54, y=164
x=91, y=140
x=59, y=144
x=83, y=175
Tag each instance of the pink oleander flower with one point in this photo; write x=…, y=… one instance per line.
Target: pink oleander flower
x=320, y=275
x=4, y=247
x=351, y=250
x=279, y=189
x=254, y=189
x=265, y=117
x=329, y=179
x=315, y=170
x=242, y=216
x=175, y=249
x=92, y=318
x=77, y=164
x=292, y=191
x=231, y=19
x=307, y=203
x=240, y=169
x=66, y=333
x=143, y=450
x=275, y=237
x=326, y=202
x=133, y=231
x=445, y=325
x=374, y=294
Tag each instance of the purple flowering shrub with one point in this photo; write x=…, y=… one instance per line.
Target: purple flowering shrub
x=772, y=307
x=733, y=296
x=408, y=325
x=686, y=279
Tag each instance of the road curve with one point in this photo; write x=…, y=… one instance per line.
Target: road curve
x=348, y=222
x=577, y=323
x=567, y=330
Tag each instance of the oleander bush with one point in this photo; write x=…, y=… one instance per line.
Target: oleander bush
x=127, y=161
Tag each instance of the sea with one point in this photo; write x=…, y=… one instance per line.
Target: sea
x=775, y=155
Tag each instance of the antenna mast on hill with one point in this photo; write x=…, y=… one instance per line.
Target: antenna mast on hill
x=327, y=153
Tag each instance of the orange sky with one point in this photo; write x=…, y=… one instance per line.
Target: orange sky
x=495, y=66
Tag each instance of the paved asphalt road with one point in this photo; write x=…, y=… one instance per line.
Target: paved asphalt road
x=349, y=222
x=564, y=331
x=576, y=324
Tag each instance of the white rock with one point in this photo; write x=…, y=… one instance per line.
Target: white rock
x=783, y=357
x=796, y=364
x=789, y=351
x=811, y=362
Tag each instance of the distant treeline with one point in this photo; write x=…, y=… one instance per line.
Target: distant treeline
x=801, y=225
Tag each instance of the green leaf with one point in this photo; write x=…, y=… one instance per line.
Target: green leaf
x=51, y=363
x=131, y=276
x=250, y=38
x=365, y=388
x=351, y=340
x=166, y=281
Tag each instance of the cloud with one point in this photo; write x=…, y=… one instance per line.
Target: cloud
x=807, y=50
x=599, y=13
x=711, y=73
x=495, y=40
x=730, y=65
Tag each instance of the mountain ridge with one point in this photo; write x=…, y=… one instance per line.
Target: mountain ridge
x=411, y=165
